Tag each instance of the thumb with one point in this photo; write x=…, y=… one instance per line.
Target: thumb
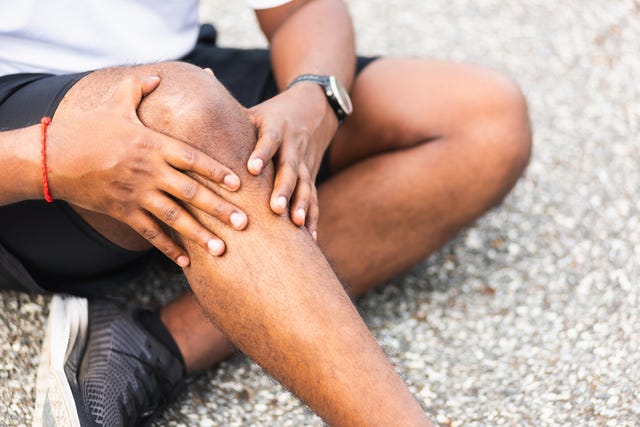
x=149, y=84
x=132, y=89
x=254, y=116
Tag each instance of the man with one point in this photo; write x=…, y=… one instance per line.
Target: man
x=162, y=155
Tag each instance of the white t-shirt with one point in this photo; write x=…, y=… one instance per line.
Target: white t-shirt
x=66, y=36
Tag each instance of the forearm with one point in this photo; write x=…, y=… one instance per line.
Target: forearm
x=306, y=37
x=316, y=38
x=20, y=165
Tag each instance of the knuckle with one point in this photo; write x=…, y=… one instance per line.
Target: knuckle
x=142, y=142
x=119, y=210
x=218, y=172
x=189, y=156
x=289, y=163
x=125, y=188
x=170, y=214
x=303, y=190
x=288, y=189
x=189, y=190
x=140, y=166
x=170, y=250
x=219, y=210
x=303, y=173
x=303, y=135
x=150, y=234
x=308, y=190
x=274, y=134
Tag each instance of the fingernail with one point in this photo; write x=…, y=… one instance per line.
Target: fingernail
x=300, y=213
x=257, y=164
x=182, y=261
x=215, y=246
x=281, y=202
x=154, y=78
x=314, y=234
x=237, y=220
x=231, y=181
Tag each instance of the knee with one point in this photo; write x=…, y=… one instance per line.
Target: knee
x=190, y=104
x=503, y=125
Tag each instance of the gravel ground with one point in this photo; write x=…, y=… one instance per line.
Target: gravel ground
x=531, y=316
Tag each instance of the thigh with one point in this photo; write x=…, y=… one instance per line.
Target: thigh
x=402, y=102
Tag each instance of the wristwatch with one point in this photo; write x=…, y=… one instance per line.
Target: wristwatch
x=337, y=95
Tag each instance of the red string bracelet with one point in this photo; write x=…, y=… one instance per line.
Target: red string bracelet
x=45, y=177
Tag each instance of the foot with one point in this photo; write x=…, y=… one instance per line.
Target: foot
x=100, y=367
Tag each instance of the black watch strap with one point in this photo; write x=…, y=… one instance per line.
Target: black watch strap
x=321, y=80
x=330, y=93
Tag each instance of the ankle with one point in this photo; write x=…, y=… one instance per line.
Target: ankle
x=152, y=322
x=201, y=345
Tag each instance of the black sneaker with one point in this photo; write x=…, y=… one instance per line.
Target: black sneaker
x=100, y=367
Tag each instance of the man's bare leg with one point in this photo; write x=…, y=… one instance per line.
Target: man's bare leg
x=264, y=293
x=431, y=146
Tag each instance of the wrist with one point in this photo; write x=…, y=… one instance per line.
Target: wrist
x=20, y=173
x=313, y=97
x=336, y=94
x=32, y=156
x=56, y=166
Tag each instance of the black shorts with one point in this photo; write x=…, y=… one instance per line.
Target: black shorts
x=47, y=246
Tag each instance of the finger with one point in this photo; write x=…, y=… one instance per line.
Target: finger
x=285, y=183
x=151, y=230
x=196, y=194
x=180, y=220
x=132, y=89
x=313, y=214
x=183, y=156
x=149, y=84
x=302, y=197
x=269, y=141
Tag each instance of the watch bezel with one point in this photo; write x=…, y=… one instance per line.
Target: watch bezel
x=340, y=94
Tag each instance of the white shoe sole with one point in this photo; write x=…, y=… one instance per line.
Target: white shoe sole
x=68, y=321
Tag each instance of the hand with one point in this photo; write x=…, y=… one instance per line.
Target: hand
x=296, y=127
x=105, y=160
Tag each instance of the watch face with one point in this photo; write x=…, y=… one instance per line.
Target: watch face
x=341, y=95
